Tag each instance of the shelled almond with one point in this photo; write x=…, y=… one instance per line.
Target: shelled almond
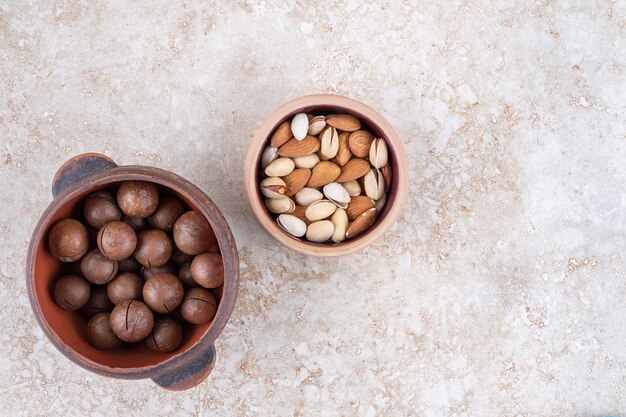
x=325, y=178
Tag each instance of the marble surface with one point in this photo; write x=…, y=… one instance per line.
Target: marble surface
x=500, y=292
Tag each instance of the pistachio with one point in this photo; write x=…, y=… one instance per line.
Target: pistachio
x=273, y=187
x=337, y=194
x=339, y=220
x=300, y=126
x=316, y=125
x=330, y=142
x=270, y=154
x=320, y=231
x=320, y=209
x=280, y=167
x=380, y=203
x=307, y=195
x=306, y=161
x=374, y=184
x=280, y=205
x=352, y=187
x=378, y=153
x=292, y=225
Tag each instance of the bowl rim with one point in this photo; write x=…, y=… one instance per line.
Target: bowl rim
x=224, y=238
x=351, y=106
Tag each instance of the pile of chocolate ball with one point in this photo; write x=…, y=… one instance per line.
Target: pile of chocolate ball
x=141, y=266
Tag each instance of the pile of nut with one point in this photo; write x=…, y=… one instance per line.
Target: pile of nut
x=337, y=172
x=139, y=265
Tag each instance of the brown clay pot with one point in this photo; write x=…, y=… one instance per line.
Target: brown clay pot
x=181, y=369
x=328, y=104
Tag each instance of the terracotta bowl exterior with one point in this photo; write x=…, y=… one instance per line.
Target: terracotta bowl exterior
x=328, y=104
x=184, y=368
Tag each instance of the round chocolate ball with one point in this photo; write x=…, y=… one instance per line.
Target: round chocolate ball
x=184, y=274
x=131, y=321
x=154, y=248
x=98, y=301
x=71, y=292
x=100, y=333
x=117, y=240
x=148, y=273
x=207, y=269
x=68, y=240
x=97, y=268
x=129, y=264
x=163, y=292
x=193, y=233
x=198, y=306
x=100, y=208
x=181, y=257
x=164, y=217
x=138, y=198
x=166, y=336
x=137, y=223
x=125, y=286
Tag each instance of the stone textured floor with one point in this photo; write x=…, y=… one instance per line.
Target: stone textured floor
x=500, y=292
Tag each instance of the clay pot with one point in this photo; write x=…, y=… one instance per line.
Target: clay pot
x=181, y=369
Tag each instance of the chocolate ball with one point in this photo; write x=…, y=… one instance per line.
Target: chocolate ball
x=71, y=292
x=129, y=264
x=207, y=269
x=164, y=217
x=180, y=257
x=98, y=301
x=166, y=336
x=138, y=198
x=68, y=240
x=117, y=240
x=100, y=208
x=131, y=321
x=154, y=248
x=184, y=274
x=125, y=286
x=148, y=273
x=137, y=223
x=97, y=268
x=198, y=306
x=100, y=333
x=163, y=292
x=193, y=233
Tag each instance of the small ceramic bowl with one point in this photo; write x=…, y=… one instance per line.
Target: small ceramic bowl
x=327, y=104
x=192, y=362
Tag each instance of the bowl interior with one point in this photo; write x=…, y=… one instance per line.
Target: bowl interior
x=70, y=327
x=367, y=123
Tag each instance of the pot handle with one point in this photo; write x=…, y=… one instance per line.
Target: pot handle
x=191, y=374
x=78, y=168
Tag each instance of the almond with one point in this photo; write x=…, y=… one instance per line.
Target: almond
x=345, y=122
x=387, y=176
x=343, y=152
x=324, y=173
x=296, y=181
x=281, y=135
x=355, y=168
x=361, y=223
x=358, y=205
x=359, y=143
x=300, y=212
x=294, y=147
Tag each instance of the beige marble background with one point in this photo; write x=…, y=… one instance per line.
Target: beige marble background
x=501, y=292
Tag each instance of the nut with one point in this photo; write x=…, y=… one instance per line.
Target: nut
x=320, y=231
x=387, y=175
x=306, y=161
x=345, y=122
x=361, y=223
x=270, y=154
x=307, y=195
x=316, y=125
x=358, y=205
x=319, y=210
x=343, y=151
x=337, y=194
x=380, y=203
x=360, y=143
x=300, y=126
x=323, y=173
x=280, y=205
x=339, y=220
x=273, y=187
x=354, y=169
x=280, y=167
x=374, y=184
x=296, y=181
x=281, y=135
x=292, y=225
x=300, y=212
x=329, y=142
x=352, y=187
x=378, y=153
x=295, y=147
